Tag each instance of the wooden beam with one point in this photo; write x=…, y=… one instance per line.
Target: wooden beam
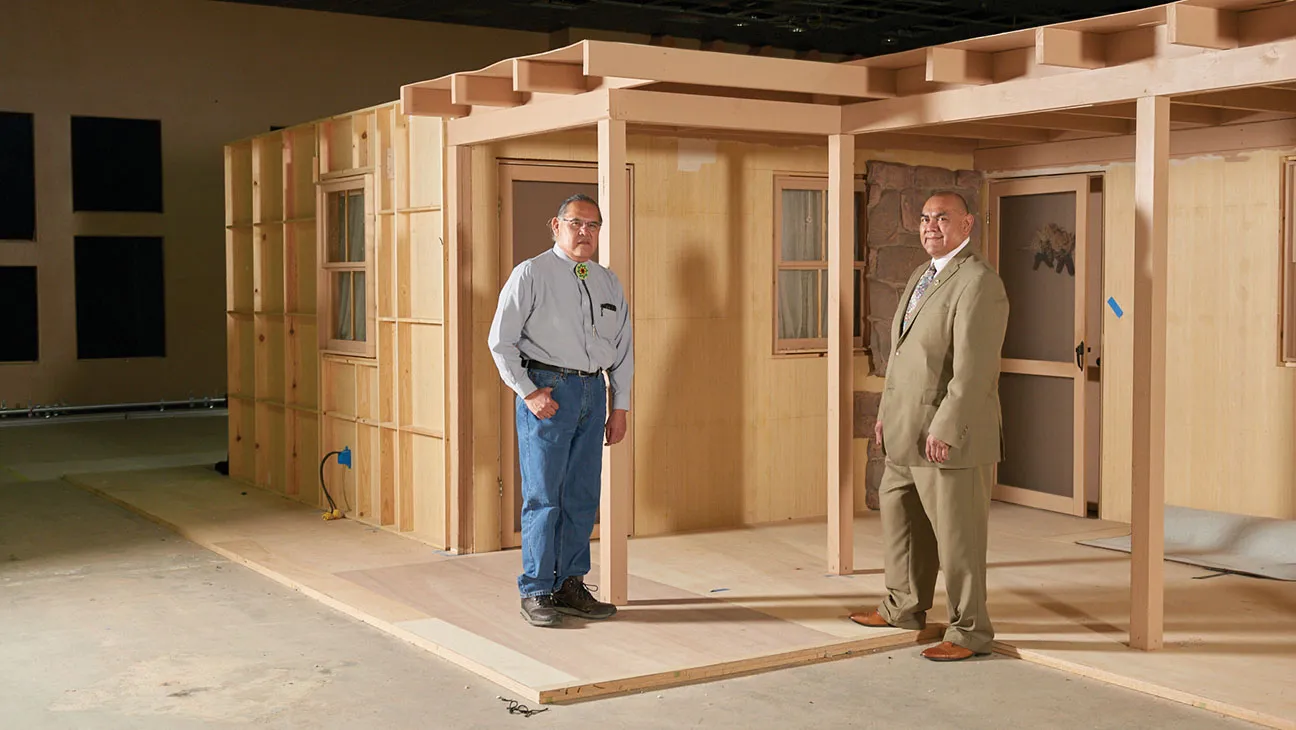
x=1178, y=114
x=841, y=364
x=713, y=112
x=1202, y=27
x=535, y=118
x=678, y=65
x=958, y=66
x=471, y=90
x=1148, y=310
x=1273, y=63
x=419, y=101
x=1266, y=25
x=459, y=348
x=1070, y=48
x=1256, y=100
x=1070, y=123
x=975, y=130
x=614, y=253
x=540, y=77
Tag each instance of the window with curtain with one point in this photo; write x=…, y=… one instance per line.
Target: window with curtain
x=801, y=255
x=346, y=266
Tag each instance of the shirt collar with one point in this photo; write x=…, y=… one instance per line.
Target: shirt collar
x=943, y=260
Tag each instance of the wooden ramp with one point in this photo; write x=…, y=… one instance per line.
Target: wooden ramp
x=711, y=605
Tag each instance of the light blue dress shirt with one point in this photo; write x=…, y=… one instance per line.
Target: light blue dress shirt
x=547, y=313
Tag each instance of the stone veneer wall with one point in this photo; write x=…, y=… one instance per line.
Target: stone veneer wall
x=896, y=194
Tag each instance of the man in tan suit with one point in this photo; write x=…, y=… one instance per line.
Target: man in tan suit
x=941, y=435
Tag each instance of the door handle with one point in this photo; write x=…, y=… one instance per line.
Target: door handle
x=1079, y=351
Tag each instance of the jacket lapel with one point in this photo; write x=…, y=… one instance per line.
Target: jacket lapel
x=944, y=276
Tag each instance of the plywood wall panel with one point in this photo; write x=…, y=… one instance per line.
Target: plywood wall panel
x=239, y=279
x=427, y=458
x=425, y=155
x=338, y=379
x=303, y=442
x=270, y=447
x=242, y=444
x=426, y=267
x=1230, y=420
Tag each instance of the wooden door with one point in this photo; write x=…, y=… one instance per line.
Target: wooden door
x=530, y=194
x=1039, y=242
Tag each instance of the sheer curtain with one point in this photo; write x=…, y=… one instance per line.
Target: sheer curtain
x=801, y=296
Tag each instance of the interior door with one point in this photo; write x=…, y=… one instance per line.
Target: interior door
x=1038, y=229
x=530, y=194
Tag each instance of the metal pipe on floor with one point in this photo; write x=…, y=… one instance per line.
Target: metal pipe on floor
x=57, y=409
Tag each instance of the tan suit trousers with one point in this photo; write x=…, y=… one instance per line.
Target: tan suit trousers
x=936, y=518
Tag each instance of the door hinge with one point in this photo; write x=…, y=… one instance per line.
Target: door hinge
x=500, y=481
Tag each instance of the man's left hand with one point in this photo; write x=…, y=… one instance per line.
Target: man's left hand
x=937, y=450
x=615, y=430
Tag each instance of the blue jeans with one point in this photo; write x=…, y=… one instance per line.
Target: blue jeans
x=561, y=460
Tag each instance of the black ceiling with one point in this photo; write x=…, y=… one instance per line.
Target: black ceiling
x=847, y=27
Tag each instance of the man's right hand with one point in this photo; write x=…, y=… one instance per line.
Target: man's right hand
x=877, y=433
x=542, y=404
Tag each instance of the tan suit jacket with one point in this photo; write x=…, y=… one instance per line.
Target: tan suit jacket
x=943, y=375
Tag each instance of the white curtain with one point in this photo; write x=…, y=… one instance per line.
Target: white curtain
x=802, y=296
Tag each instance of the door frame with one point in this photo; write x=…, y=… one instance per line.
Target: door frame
x=529, y=170
x=1077, y=369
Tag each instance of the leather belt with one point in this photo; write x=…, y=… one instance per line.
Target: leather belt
x=537, y=365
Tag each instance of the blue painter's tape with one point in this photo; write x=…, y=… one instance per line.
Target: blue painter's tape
x=1111, y=302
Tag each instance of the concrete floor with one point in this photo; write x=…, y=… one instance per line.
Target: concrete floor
x=110, y=621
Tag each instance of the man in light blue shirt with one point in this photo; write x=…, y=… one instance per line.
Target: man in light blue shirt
x=562, y=321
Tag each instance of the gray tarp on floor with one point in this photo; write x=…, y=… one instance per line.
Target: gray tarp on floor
x=1256, y=546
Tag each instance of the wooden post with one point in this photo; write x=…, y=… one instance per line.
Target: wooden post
x=1151, y=190
x=614, y=253
x=841, y=387
x=459, y=324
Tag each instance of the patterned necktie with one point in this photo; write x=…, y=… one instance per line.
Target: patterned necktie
x=926, y=279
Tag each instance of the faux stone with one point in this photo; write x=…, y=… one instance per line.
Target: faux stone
x=895, y=264
x=866, y=408
x=933, y=177
x=884, y=218
x=889, y=174
x=883, y=298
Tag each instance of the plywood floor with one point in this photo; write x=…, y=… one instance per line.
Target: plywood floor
x=722, y=603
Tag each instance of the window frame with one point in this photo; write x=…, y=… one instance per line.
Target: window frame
x=817, y=345
x=1287, y=253
x=325, y=317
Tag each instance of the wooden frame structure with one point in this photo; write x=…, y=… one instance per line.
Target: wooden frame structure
x=1182, y=66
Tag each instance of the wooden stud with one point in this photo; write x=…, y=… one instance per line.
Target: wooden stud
x=1070, y=48
x=418, y=101
x=1070, y=122
x=614, y=253
x=459, y=348
x=708, y=112
x=536, y=118
x=841, y=365
x=677, y=65
x=1148, y=310
x=1203, y=27
x=958, y=66
x=548, y=78
x=469, y=90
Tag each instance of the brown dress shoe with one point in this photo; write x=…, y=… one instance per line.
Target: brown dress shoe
x=947, y=652
x=872, y=619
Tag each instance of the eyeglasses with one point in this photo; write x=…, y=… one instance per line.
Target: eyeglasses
x=576, y=224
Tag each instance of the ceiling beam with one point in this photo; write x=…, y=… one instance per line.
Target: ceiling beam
x=634, y=106
x=1270, y=63
x=1255, y=100
x=1178, y=114
x=958, y=66
x=1070, y=122
x=1004, y=133
x=417, y=101
x=1202, y=27
x=554, y=115
x=484, y=91
x=656, y=63
x=1070, y=48
x=540, y=77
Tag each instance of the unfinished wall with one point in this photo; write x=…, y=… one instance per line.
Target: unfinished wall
x=292, y=399
x=725, y=432
x=211, y=72
x=1230, y=421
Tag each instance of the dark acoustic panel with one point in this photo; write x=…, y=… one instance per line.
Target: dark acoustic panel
x=116, y=165
x=17, y=177
x=120, y=302
x=20, y=341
